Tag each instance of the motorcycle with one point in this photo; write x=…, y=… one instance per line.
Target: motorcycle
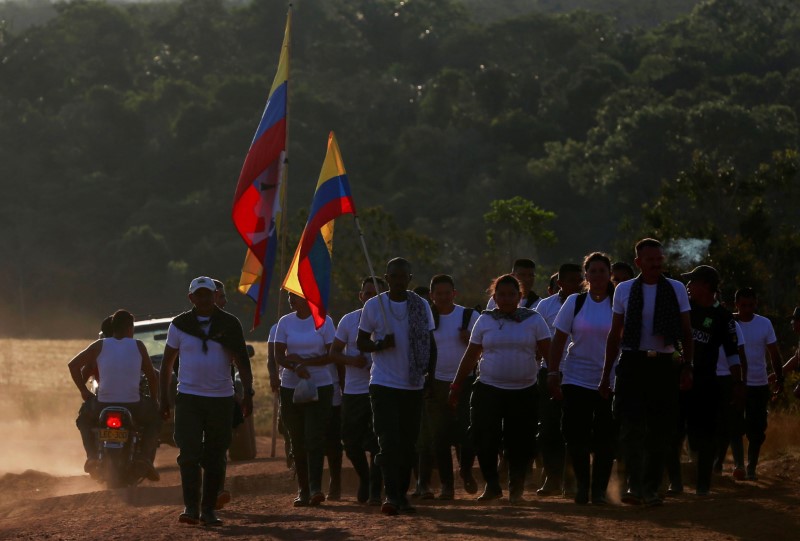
x=118, y=442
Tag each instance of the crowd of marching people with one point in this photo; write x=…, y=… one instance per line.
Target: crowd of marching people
x=609, y=368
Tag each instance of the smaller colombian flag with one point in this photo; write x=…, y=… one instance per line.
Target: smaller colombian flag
x=310, y=273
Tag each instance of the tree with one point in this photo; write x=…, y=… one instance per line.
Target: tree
x=519, y=225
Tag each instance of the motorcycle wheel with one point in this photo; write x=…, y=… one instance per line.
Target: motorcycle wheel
x=114, y=469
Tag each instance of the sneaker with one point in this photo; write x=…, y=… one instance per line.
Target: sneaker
x=674, y=490
x=316, y=499
x=490, y=494
x=301, y=500
x=582, y=496
x=447, y=493
x=739, y=473
x=209, y=518
x=189, y=516
x=389, y=508
x=751, y=474
x=702, y=492
x=631, y=498
x=223, y=499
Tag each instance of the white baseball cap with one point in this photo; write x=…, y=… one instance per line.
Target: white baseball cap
x=202, y=282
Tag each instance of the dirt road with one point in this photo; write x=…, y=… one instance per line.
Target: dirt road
x=38, y=505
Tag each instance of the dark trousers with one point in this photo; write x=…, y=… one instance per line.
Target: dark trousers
x=645, y=402
x=396, y=415
x=589, y=429
x=754, y=426
x=145, y=416
x=359, y=439
x=677, y=439
x=203, y=434
x=507, y=418
x=450, y=428
x=333, y=449
x=549, y=439
x=726, y=420
x=307, y=425
x=702, y=427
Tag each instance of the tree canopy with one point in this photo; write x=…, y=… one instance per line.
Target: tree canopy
x=123, y=128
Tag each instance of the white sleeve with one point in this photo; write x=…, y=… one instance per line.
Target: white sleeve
x=683, y=296
x=478, y=330
x=472, y=320
x=282, y=333
x=328, y=330
x=621, y=298
x=566, y=315
x=173, y=337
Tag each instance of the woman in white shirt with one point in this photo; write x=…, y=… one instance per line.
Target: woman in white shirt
x=587, y=423
x=302, y=350
x=503, y=405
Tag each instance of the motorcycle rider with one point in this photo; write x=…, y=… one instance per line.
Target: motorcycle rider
x=117, y=361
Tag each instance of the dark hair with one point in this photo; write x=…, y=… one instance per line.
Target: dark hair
x=442, y=279
x=745, y=292
x=598, y=256
x=121, y=321
x=398, y=261
x=567, y=268
x=369, y=280
x=646, y=243
x=422, y=291
x=621, y=265
x=504, y=279
x=523, y=264
x=219, y=284
x=106, y=329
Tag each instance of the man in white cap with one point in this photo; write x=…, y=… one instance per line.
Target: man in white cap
x=208, y=340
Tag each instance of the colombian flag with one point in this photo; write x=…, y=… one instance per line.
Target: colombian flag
x=260, y=190
x=310, y=273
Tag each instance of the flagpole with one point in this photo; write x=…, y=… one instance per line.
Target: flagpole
x=284, y=226
x=372, y=273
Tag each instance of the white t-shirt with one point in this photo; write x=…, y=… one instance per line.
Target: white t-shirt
x=119, y=366
x=508, y=360
x=356, y=380
x=549, y=308
x=450, y=347
x=583, y=365
x=758, y=334
x=491, y=305
x=724, y=362
x=649, y=340
x=303, y=339
x=201, y=373
x=390, y=366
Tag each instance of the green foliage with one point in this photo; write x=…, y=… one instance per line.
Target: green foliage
x=123, y=128
x=519, y=225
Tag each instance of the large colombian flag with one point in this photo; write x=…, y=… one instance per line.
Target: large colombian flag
x=310, y=273
x=257, y=204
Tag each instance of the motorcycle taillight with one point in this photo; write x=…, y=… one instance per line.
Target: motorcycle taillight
x=114, y=420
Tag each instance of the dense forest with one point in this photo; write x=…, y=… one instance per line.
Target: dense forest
x=473, y=132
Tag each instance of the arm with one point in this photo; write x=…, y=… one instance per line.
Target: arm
x=554, y=363
x=688, y=340
x=366, y=345
x=165, y=377
x=468, y=363
x=246, y=375
x=86, y=359
x=149, y=371
x=272, y=368
x=793, y=363
x=337, y=355
x=612, y=352
x=777, y=365
x=295, y=366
